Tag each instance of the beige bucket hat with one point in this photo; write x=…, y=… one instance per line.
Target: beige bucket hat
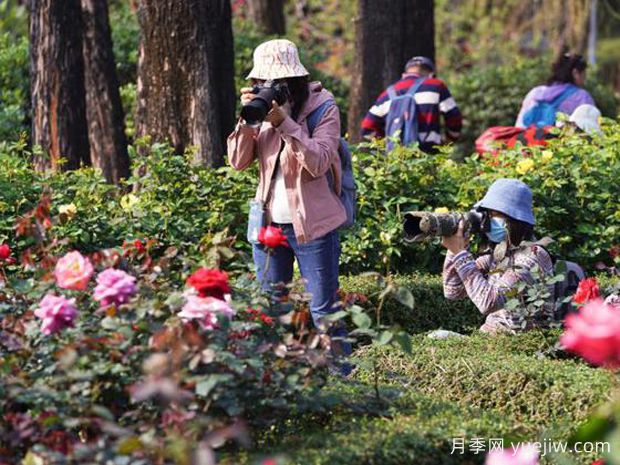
x=277, y=59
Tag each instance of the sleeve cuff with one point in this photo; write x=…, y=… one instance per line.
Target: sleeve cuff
x=243, y=127
x=287, y=127
x=464, y=262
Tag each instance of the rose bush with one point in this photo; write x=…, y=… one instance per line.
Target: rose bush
x=573, y=181
x=147, y=361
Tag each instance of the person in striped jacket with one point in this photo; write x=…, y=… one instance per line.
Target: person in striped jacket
x=433, y=101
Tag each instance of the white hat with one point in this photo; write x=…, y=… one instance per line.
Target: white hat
x=277, y=59
x=586, y=118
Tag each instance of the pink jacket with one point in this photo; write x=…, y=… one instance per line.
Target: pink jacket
x=304, y=161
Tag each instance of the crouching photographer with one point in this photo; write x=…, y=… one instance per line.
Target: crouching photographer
x=505, y=221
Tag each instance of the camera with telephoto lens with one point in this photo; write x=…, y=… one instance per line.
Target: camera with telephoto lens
x=256, y=111
x=420, y=225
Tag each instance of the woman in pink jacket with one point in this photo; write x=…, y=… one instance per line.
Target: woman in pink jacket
x=293, y=166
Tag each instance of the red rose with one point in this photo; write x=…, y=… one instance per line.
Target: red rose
x=598, y=462
x=272, y=237
x=210, y=283
x=587, y=290
x=5, y=251
x=139, y=246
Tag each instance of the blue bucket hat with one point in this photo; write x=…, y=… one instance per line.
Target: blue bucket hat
x=510, y=197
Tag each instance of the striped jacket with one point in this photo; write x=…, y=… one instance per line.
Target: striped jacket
x=432, y=99
x=486, y=285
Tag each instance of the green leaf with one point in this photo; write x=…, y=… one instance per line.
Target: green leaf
x=405, y=297
x=385, y=337
x=403, y=339
x=204, y=387
x=362, y=320
x=336, y=316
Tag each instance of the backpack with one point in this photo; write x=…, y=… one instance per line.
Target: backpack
x=562, y=290
x=544, y=113
x=402, y=119
x=490, y=140
x=573, y=273
x=496, y=137
x=348, y=189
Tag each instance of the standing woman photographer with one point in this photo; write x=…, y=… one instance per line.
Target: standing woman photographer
x=487, y=278
x=294, y=166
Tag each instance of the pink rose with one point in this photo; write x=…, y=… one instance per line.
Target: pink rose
x=594, y=334
x=205, y=310
x=56, y=312
x=521, y=454
x=73, y=271
x=114, y=287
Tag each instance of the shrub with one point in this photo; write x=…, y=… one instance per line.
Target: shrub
x=132, y=363
x=573, y=182
x=431, y=309
x=494, y=374
x=492, y=95
x=14, y=90
x=415, y=429
x=574, y=199
x=126, y=39
x=477, y=387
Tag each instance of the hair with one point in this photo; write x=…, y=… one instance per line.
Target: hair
x=562, y=68
x=298, y=88
x=519, y=231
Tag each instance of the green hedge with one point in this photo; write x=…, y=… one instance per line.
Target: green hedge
x=431, y=311
x=416, y=429
x=492, y=373
x=480, y=386
x=573, y=182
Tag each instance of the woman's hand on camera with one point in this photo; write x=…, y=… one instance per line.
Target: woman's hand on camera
x=276, y=115
x=457, y=242
x=246, y=95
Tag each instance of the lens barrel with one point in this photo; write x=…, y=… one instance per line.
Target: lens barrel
x=419, y=225
x=256, y=111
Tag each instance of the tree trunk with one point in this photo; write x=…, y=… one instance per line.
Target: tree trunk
x=386, y=38
x=186, y=91
x=268, y=16
x=104, y=110
x=57, y=84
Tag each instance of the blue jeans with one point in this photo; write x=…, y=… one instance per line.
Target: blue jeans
x=318, y=262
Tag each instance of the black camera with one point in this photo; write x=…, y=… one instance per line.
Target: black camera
x=256, y=111
x=420, y=225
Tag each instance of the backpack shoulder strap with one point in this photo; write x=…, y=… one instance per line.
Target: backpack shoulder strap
x=542, y=243
x=391, y=91
x=570, y=90
x=415, y=86
x=315, y=116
